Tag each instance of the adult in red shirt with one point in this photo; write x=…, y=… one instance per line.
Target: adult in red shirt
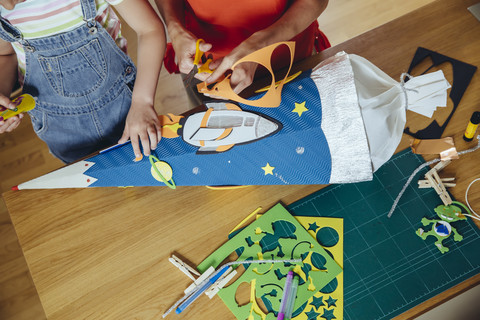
x=234, y=28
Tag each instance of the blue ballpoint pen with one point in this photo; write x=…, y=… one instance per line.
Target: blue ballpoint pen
x=203, y=287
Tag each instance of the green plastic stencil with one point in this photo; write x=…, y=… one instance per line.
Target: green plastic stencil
x=388, y=269
x=275, y=235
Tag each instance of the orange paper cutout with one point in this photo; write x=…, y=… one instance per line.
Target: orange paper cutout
x=444, y=147
x=170, y=125
x=272, y=97
x=289, y=78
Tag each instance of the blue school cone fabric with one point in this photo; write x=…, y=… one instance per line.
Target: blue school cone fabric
x=298, y=142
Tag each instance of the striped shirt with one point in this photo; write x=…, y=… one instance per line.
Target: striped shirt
x=42, y=18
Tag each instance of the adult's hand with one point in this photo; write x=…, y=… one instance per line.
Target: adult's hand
x=185, y=44
x=242, y=75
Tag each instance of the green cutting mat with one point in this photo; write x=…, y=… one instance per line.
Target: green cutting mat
x=388, y=269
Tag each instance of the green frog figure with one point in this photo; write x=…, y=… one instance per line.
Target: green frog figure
x=442, y=228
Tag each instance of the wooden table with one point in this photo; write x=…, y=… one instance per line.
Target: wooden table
x=102, y=252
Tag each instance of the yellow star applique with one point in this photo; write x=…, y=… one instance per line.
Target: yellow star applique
x=268, y=169
x=300, y=108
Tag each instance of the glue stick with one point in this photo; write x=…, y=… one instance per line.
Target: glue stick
x=472, y=126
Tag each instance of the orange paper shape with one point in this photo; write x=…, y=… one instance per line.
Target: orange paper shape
x=169, y=125
x=444, y=147
x=272, y=97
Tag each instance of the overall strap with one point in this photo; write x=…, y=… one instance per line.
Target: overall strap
x=89, y=9
x=8, y=32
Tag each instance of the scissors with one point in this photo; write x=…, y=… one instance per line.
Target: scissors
x=27, y=103
x=199, y=58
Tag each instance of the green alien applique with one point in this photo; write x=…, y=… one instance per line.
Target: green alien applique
x=442, y=228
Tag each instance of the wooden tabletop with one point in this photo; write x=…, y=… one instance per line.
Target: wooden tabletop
x=102, y=252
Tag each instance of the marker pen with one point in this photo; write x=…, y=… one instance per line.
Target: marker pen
x=202, y=287
x=291, y=299
x=285, y=297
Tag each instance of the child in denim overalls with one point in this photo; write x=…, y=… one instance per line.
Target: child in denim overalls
x=84, y=83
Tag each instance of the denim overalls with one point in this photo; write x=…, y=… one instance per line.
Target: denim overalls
x=83, y=84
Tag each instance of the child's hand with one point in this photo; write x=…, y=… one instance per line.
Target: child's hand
x=142, y=125
x=11, y=123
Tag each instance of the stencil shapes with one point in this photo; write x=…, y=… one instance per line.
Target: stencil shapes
x=276, y=234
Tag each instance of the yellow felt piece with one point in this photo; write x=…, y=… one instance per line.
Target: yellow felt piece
x=289, y=78
x=164, y=169
x=226, y=187
x=268, y=169
x=27, y=104
x=300, y=108
x=169, y=125
x=337, y=251
x=254, y=308
x=244, y=221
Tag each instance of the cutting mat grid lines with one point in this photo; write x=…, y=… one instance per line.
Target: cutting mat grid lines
x=374, y=280
x=388, y=269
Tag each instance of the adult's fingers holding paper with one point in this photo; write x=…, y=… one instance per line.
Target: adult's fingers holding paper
x=220, y=66
x=242, y=76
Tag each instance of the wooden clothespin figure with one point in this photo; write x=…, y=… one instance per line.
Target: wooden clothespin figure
x=199, y=278
x=185, y=268
x=221, y=282
x=440, y=185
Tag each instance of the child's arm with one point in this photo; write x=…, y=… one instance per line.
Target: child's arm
x=142, y=122
x=8, y=65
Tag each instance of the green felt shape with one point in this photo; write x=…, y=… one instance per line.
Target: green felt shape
x=441, y=228
x=317, y=302
x=277, y=235
x=327, y=237
x=313, y=226
x=331, y=302
x=328, y=314
x=312, y=315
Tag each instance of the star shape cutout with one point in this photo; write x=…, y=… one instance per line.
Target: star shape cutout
x=328, y=314
x=317, y=302
x=331, y=302
x=300, y=108
x=268, y=169
x=312, y=315
x=313, y=226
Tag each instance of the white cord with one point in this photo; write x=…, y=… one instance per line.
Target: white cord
x=476, y=215
x=473, y=217
x=226, y=265
x=395, y=203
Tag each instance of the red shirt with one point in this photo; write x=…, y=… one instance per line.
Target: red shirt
x=226, y=23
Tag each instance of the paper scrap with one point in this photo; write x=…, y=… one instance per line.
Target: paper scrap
x=444, y=147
